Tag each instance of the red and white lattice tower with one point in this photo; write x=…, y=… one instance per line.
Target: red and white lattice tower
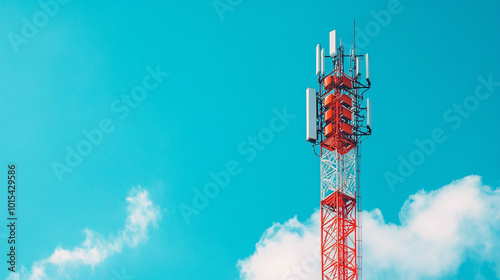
x=337, y=121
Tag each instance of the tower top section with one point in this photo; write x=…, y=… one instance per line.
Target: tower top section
x=337, y=116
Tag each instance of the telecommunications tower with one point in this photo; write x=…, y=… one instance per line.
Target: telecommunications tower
x=337, y=122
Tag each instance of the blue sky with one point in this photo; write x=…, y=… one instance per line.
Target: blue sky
x=221, y=73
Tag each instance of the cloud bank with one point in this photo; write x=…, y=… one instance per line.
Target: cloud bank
x=438, y=231
x=142, y=214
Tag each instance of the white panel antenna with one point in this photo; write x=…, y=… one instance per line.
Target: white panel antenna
x=318, y=59
x=333, y=43
x=358, y=67
x=322, y=62
x=367, y=69
x=311, y=132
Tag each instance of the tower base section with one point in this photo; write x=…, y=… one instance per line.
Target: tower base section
x=338, y=237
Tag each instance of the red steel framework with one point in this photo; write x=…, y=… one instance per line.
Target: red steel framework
x=338, y=231
x=341, y=126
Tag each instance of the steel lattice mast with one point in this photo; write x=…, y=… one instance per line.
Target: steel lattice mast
x=337, y=123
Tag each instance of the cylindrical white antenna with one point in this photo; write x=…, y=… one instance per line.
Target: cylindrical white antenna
x=358, y=67
x=367, y=58
x=322, y=62
x=333, y=43
x=318, y=59
x=369, y=114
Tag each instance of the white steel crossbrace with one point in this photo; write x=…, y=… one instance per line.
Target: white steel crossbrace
x=338, y=172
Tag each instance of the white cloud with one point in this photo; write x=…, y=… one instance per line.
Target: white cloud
x=285, y=250
x=439, y=231
x=142, y=214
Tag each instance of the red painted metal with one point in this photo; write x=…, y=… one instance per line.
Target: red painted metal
x=338, y=210
x=345, y=115
x=337, y=127
x=346, y=82
x=329, y=102
x=338, y=237
x=340, y=127
x=329, y=130
x=329, y=82
x=346, y=101
x=346, y=128
x=329, y=116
